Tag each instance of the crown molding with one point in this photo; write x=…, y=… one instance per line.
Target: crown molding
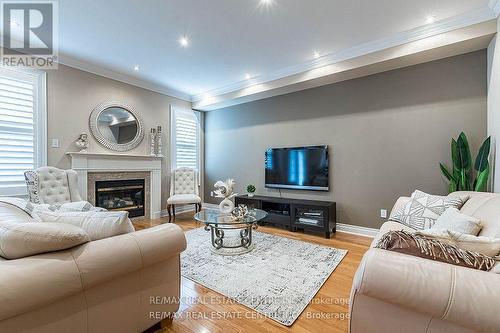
x=125, y=78
x=452, y=43
x=494, y=5
x=422, y=32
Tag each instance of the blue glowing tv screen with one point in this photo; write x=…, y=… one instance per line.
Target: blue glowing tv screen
x=302, y=168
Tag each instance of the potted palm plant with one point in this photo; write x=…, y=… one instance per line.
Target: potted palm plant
x=464, y=174
x=251, y=190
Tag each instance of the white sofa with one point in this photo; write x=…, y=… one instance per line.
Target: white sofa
x=100, y=286
x=394, y=292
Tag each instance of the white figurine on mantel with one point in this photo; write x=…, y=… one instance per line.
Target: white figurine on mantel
x=82, y=143
x=225, y=190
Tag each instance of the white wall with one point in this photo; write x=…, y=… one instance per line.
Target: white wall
x=494, y=107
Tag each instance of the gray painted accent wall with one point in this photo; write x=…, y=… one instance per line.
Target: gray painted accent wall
x=386, y=132
x=73, y=94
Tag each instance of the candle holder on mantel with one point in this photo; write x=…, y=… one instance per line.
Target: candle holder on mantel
x=152, y=142
x=159, y=144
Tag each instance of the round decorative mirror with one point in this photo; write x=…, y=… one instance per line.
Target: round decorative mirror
x=116, y=126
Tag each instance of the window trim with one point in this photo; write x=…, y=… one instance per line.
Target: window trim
x=173, y=150
x=39, y=119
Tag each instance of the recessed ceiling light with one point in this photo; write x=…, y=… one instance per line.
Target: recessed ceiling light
x=248, y=76
x=184, y=41
x=430, y=19
x=266, y=2
x=316, y=54
x=136, y=67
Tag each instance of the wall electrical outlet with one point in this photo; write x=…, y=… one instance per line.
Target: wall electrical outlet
x=383, y=213
x=55, y=143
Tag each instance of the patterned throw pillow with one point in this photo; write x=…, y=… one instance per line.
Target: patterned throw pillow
x=422, y=211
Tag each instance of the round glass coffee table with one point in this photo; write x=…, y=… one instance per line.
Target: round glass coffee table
x=228, y=236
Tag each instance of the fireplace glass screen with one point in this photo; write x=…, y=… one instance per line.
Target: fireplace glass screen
x=125, y=195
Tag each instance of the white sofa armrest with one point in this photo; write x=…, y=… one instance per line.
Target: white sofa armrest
x=104, y=259
x=464, y=296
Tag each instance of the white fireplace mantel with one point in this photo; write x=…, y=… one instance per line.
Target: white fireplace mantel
x=85, y=163
x=120, y=156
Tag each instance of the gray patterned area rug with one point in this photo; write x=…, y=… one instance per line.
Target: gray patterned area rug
x=277, y=279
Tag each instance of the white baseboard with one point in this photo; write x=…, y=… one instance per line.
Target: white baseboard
x=357, y=230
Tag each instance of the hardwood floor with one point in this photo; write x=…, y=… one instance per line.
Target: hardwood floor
x=207, y=311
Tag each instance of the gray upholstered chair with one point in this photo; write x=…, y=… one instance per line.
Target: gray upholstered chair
x=49, y=185
x=183, y=190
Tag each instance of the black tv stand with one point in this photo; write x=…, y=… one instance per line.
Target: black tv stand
x=295, y=214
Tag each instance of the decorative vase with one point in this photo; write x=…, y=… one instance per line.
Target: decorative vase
x=152, y=139
x=250, y=195
x=226, y=206
x=159, y=145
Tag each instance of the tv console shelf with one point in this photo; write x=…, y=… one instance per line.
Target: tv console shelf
x=295, y=214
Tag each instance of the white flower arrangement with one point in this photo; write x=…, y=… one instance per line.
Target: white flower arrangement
x=225, y=189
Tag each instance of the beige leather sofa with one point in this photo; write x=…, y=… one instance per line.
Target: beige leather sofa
x=125, y=283
x=394, y=292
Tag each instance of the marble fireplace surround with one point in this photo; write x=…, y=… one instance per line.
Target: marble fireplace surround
x=91, y=167
x=93, y=177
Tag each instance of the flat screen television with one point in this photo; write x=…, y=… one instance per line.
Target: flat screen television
x=302, y=168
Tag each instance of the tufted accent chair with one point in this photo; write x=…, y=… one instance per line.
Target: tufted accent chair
x=183, y=190
x=49, y=185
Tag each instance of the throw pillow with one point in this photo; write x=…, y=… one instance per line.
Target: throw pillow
x=97, y=225
x=19, y=240
x=422, y=211
x=429, y=248
x=453, y=220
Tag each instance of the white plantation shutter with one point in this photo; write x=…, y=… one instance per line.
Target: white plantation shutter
x=185, y=138
x=22, y=127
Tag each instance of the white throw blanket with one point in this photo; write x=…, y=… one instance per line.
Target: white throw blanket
x=97, y=222
x=34, y=209
x=78, y=206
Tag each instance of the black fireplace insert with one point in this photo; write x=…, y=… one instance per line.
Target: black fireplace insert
x=127, y=195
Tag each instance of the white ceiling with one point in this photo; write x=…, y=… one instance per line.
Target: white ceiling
x=229, y=38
